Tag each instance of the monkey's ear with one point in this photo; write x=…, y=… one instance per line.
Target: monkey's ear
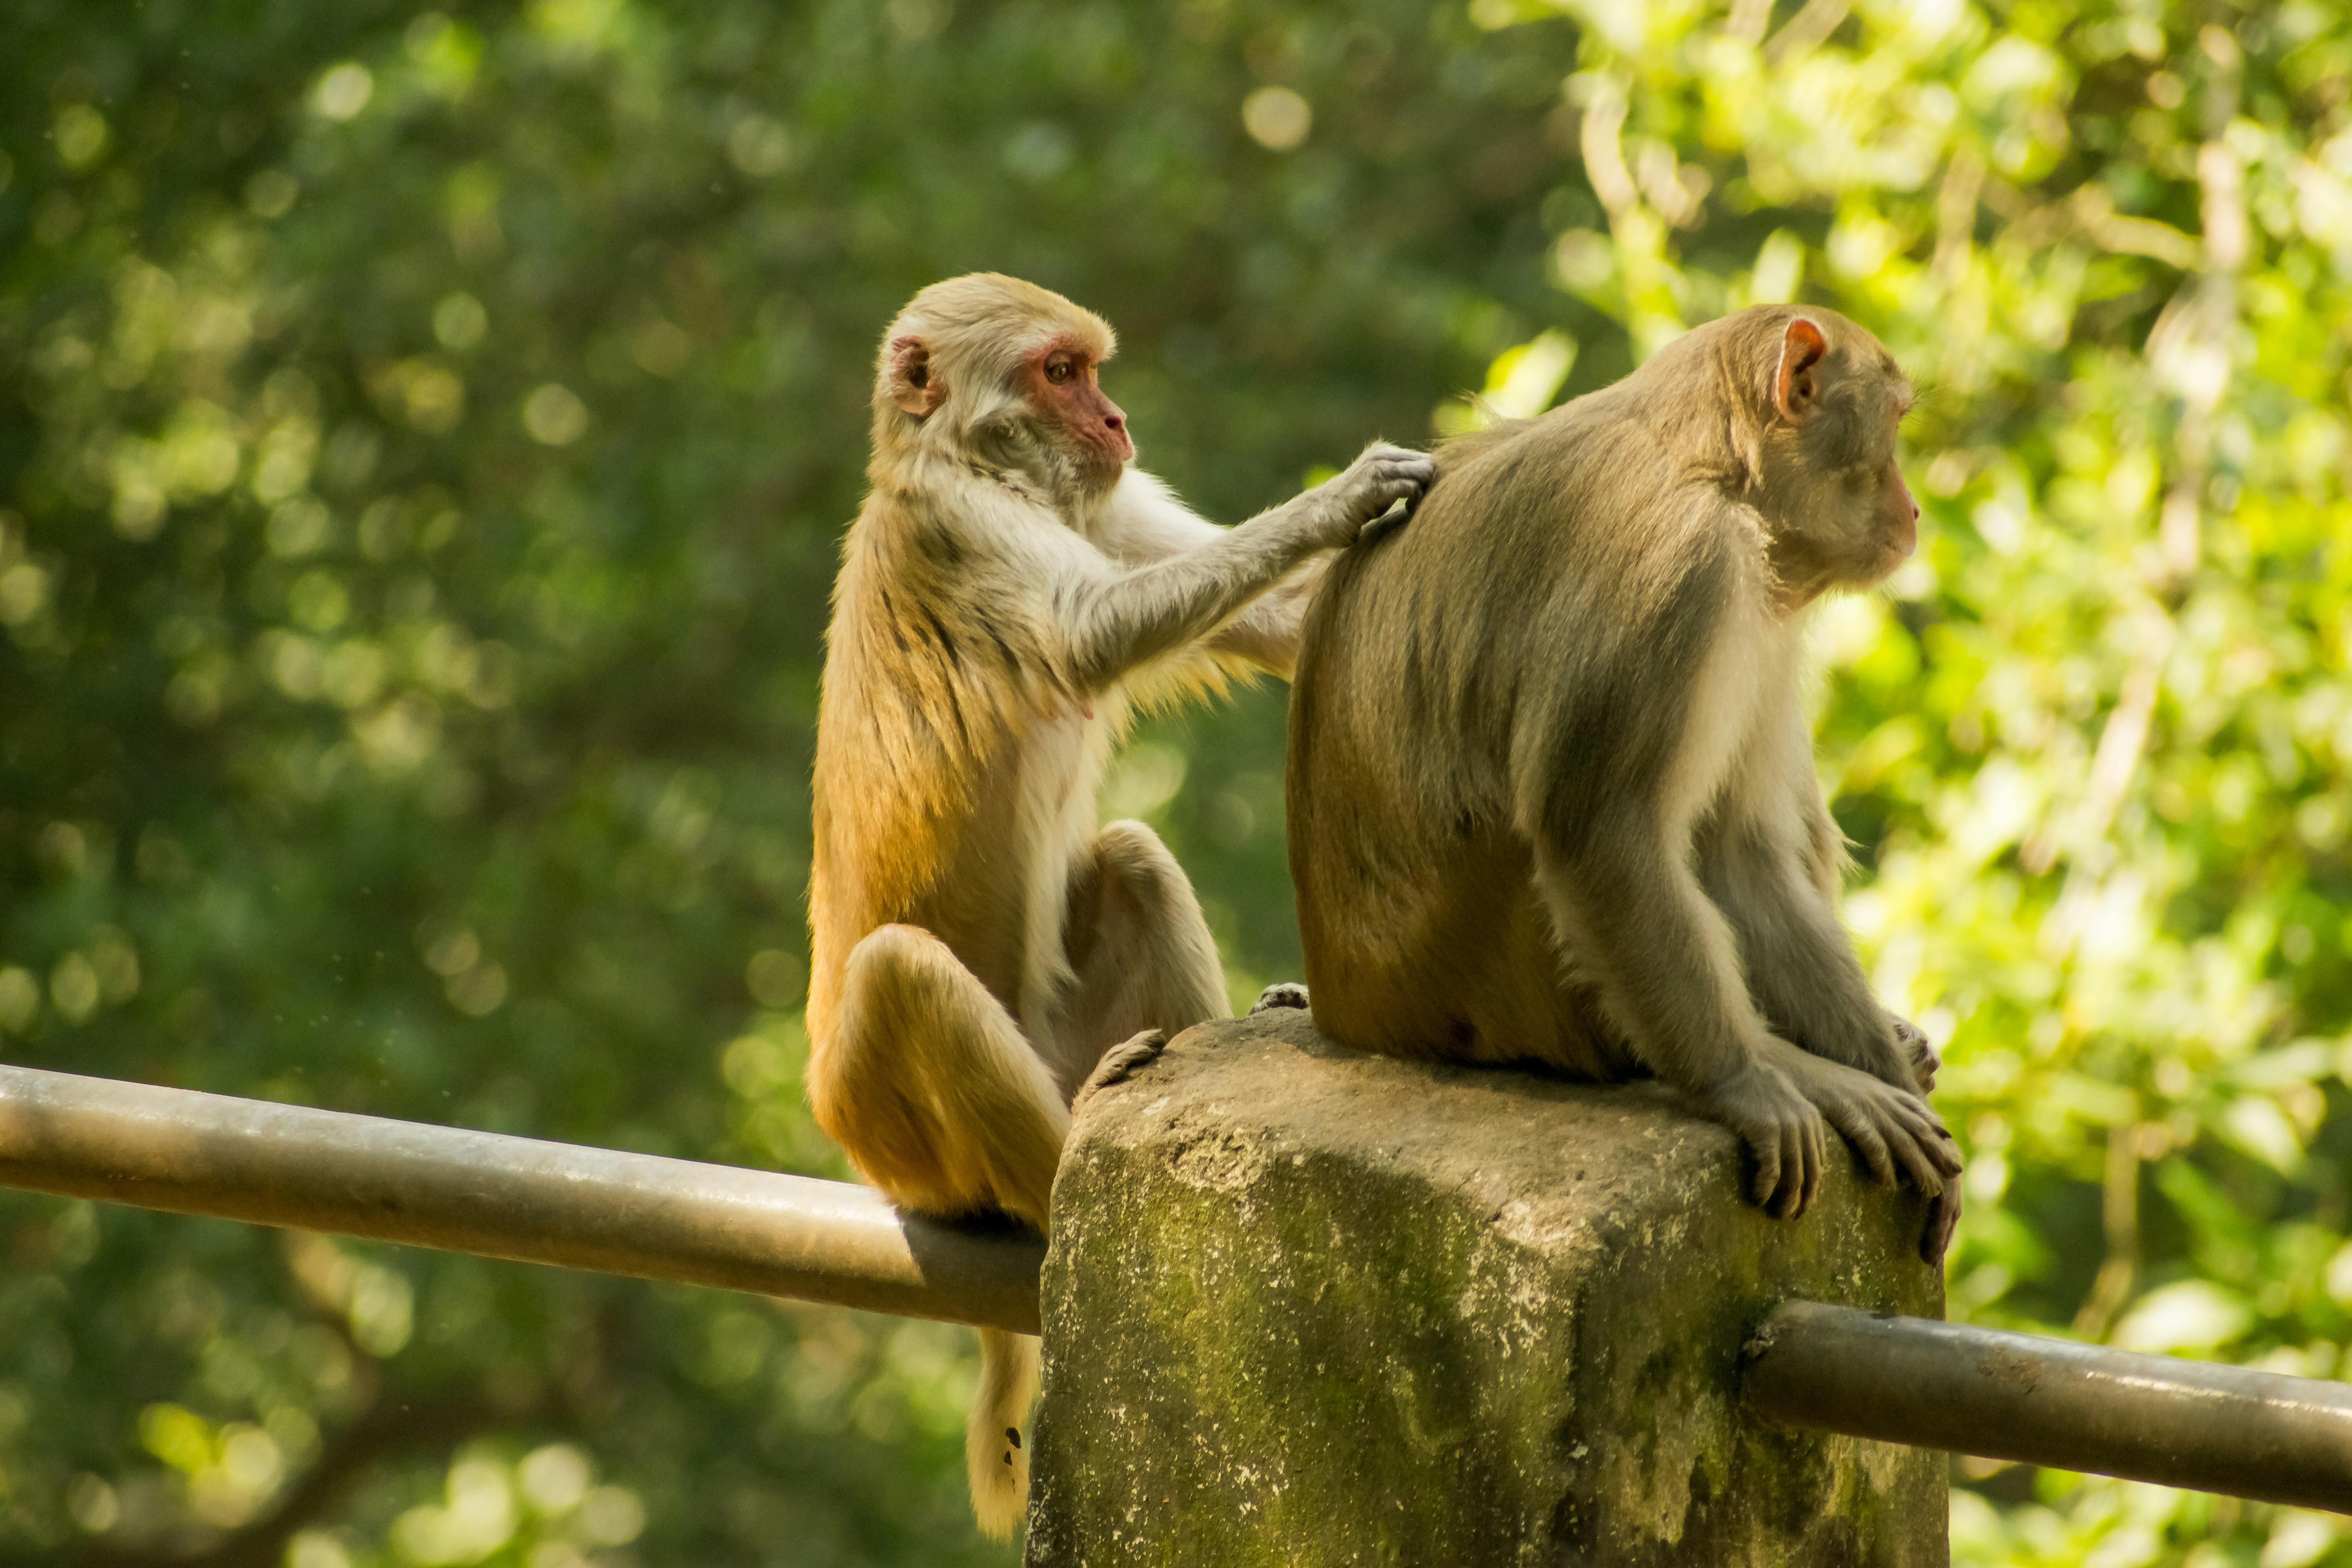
x=1793, y=388
x=914, y=385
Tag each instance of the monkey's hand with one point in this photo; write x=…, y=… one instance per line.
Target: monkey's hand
x=1892, y=1129
x=1384, y=475
x=1925, y=1062
x=1781, y=1128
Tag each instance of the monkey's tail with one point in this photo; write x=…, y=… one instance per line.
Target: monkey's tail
x=995, y=1448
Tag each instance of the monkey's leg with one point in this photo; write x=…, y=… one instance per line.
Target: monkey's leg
x=1668, y=975
x=943, y=1105
x=1804, y=977
x=931, y=1086
x=1801, y=968
x=1141, y=952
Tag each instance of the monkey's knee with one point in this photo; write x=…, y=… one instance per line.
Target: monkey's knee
x=1130, y=901
x=910, y=1007
x=931, y=1086
x=1141, y=951
x=1146, y=898
x=896, y=947
x=856, y=1079
x=896, y=971
x=1132, y=862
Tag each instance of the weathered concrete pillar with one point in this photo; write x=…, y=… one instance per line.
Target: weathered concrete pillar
x=1305, y=1307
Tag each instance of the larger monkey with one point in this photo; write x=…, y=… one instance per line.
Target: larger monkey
x=1551, y=788
x=1011, y=587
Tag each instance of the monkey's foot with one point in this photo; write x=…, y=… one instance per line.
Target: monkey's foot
x=1281, y=994
x=1121, y=1063
x=1912, y=1041
x=1943, y=1219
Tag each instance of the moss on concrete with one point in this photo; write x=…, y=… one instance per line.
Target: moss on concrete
x=1304, y=1307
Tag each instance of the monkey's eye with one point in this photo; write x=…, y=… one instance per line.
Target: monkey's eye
x=1060, y=371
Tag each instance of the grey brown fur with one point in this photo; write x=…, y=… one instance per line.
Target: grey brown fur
x=1551, y=787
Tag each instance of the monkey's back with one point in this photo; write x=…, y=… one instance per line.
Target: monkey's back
x=922, y=710
x=1443, y=668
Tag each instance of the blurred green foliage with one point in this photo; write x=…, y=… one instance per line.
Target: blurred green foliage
x=425, y=440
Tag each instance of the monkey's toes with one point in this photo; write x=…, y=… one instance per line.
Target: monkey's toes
x=1943, y=1219
x=1121, y=1063
x=1782, y=1185
x=1281, y=994
x=1918, y=1051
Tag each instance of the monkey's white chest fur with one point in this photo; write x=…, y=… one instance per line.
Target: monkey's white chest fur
x=1741, y=714
x=1053, y=820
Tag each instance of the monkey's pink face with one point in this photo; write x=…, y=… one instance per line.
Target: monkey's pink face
x=1059, y=383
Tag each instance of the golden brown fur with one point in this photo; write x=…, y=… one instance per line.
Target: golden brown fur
x=1012, y=587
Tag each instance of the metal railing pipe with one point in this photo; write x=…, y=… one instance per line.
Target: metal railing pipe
x=517, y=1199
x=1906, y=1380
x=2258, y=1435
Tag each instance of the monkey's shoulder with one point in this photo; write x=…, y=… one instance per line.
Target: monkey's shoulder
x=1594, y=448
x=989, y=550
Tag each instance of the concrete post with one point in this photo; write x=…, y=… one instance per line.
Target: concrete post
x=1304, y=1307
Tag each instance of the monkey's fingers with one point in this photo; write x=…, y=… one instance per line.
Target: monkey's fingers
x=1922, y=1170
x=1764, y=1191
x=1396, y=464
x=1935, y=1139
x=1862, y=1131
x=1789, y=1202
x=1390, y=488
x=1817, y=1159
x=1800, y=1173
x=1380, y=454
x=1387, y=522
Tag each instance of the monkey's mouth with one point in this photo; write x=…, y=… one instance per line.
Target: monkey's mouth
x=1102, y=464
x=1902, y=539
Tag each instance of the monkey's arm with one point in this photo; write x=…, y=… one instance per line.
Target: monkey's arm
x=1146, y=522
x=1632, y=917
x=1768, y=865
x=1267, y=633
x=1113, y=624
x=1769, y=862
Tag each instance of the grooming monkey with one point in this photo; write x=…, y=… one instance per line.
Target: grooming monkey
x=1552, y=789
x=1011, y=590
